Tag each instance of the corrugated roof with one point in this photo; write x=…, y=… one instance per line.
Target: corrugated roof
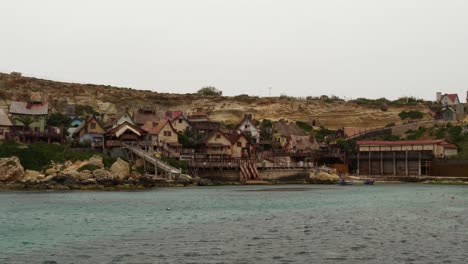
x=448, y=146
x=288, y=129
x=303, y=142
x=4, y=120
x=142, y=118
x=401, y=142
x=24, y=108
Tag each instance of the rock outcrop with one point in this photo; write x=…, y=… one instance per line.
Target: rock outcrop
x=323, y=177
x=120, y=170
x=11, y=169
x=96, y=161
x=32, y=176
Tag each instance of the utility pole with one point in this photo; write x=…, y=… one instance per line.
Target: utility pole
x=269, y=92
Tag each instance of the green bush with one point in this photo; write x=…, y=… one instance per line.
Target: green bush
x=209, y=91
x=182, y=164
x=39, y=155
x=305, y=126
x=411, y=115
x=108, y=161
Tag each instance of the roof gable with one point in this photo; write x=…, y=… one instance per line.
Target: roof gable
x=4, y=120
x=452, y=97
x=213, y=134
x=126, y=126
x=86, y=122
x=154, y=128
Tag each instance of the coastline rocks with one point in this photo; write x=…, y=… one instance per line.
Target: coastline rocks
x=201, y=182
x=323, y=177
x=66, y=179
x=96, y=161
x=85, y=175
x=120, y=177
x=183, y=179
x=32, y=176
x=73, y=167
x=120, y=169
x=101, y=174
x=11, y=169
x=89, y=181
x=134, y=176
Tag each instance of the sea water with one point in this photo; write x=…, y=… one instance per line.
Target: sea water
x=404, y=223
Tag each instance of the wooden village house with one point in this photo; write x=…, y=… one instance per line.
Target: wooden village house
x=247, y=126
x=178, y=120
x=124, y=133
x=164, y=137
x=119, y=119
x=29, y=116
x=90, y=132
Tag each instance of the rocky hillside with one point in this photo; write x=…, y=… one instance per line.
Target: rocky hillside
x=108, y=100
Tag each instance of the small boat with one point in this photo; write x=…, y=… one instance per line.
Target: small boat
x=369, y=182
x=343, y=182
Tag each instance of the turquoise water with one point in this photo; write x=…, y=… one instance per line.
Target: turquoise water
x=238, y=224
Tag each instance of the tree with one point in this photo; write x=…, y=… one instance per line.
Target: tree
x=59, y=120
x=266, y=128
x=85, y=110
x=25, y=120
x=209, y=91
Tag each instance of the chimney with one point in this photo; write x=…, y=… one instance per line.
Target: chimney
x=438, y=96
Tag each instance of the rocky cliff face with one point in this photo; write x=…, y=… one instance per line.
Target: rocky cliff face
x=109, y=100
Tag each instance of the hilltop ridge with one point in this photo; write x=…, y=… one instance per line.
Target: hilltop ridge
x=229, y=109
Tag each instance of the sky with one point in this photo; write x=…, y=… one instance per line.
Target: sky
x=348, y=48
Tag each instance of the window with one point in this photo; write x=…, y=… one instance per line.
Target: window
x=1, y=131
x=239, y=144
x=93, y=125
x=36, y=129
x=180, y=121
x=218, y=136
x=167, y=133
x=246, y=126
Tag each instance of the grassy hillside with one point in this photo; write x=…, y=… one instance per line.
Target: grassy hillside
x=330, y=112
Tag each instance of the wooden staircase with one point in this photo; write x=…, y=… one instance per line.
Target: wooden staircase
x=248, y=171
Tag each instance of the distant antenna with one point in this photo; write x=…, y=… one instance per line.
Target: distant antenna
x=269, y=91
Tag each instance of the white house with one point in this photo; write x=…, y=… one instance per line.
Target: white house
x=248, y=127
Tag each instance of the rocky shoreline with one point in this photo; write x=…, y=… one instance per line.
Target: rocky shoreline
x=93, y=175
x=84, y=175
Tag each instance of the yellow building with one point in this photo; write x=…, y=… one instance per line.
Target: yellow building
x=5, y=125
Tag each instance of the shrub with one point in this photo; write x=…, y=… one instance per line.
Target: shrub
x=182, y=164
x=411, y=115
x=304, y=126
x=209, y=91
x=108, y=161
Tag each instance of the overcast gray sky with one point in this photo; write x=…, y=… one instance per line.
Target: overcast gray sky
x=349, y=48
